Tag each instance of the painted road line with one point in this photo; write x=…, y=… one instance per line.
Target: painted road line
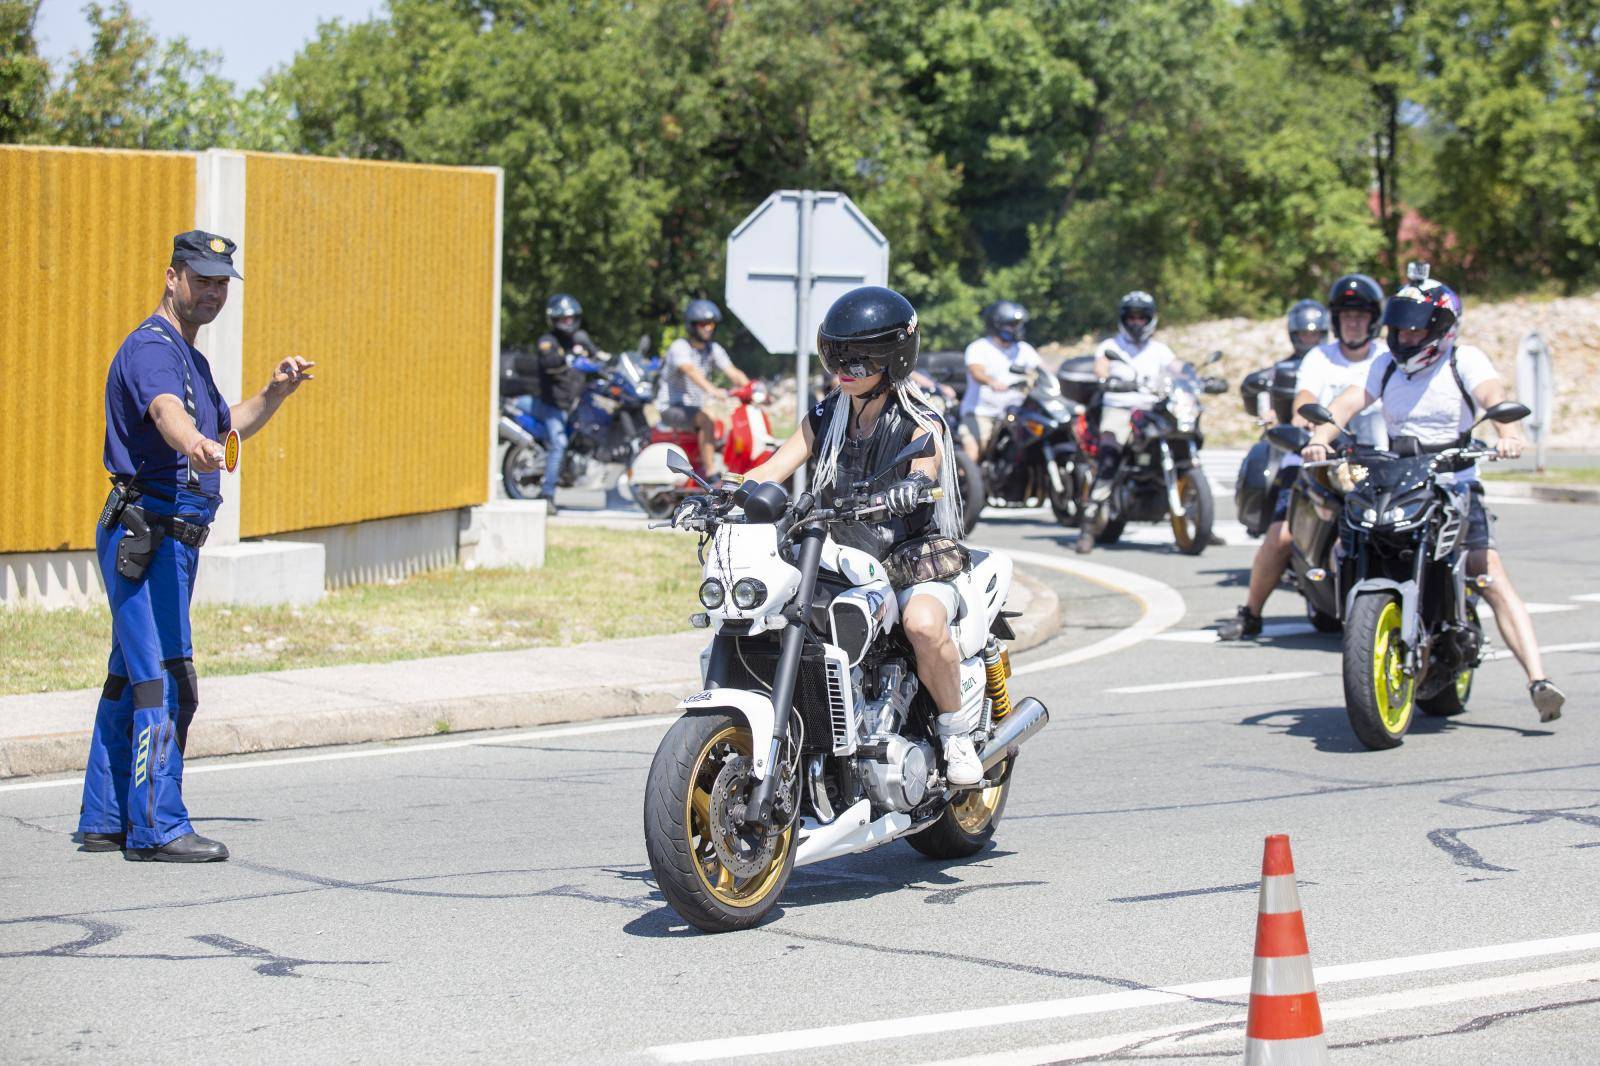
x=1151, y=1042
x=1533, y=608
x=1271, y=630
x=1553, y=649
x=1217, y=682
x=235, y=763
x=1587, y=597
x=1162, y=605
x=1099, y=1003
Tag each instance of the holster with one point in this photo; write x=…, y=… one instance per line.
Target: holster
x=138, y=546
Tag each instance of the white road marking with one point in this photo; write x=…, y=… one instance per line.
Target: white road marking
x=1163, y=607
x=225, y=763
x=1099, y=1003
x=1587, y=597
x=1210, y=636
x=1172, y=1037
x=1218, y=682
x=1533, y=608
x=1232, y=533
x=1553, y=649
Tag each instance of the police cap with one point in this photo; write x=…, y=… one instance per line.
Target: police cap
x=205, y=253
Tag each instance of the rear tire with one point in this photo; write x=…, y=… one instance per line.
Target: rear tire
x=969, y=482
x=1378, y=695
x=1452, y=699
x=677, y=812
x=522, y=471
x=967, y=824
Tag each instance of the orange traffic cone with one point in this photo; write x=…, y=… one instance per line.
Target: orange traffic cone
x=1285, y=1025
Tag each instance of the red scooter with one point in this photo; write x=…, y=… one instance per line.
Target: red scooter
x=745, y=441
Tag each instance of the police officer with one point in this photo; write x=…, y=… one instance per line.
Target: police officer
x=165, y=420
x=563, y=351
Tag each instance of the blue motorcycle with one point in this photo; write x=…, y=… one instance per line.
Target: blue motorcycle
x=609, y=424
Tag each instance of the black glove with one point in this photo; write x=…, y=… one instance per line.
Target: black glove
x=906, y=496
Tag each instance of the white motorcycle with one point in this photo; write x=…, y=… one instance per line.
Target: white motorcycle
x=812, y=737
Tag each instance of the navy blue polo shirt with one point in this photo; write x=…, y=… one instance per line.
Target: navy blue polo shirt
x=152, y=361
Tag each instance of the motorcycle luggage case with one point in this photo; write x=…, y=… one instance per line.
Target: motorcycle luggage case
x=1078, y=382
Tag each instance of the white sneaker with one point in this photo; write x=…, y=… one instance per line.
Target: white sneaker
x=961, y=761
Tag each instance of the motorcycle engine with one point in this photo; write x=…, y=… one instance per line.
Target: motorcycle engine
x=894, y=769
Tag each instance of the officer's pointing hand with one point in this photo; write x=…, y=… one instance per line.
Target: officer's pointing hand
x=290, y=373
x=205, y=456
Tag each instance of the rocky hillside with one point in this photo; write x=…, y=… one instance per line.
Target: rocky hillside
x=1571, y=327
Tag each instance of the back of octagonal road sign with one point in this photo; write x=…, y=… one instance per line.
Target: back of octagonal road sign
x=792, y=257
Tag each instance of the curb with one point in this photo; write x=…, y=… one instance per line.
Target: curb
x=51, y=753
x=1527, y=490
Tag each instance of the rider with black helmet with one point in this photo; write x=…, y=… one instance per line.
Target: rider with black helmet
x=560, y=383
x=1432, y=391
x=991, y=361
x=689, y=363
x=869, y=341
x=1325, y=371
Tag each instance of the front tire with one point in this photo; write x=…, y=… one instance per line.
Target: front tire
x=966, y=824
x=693, y=774
x=1193, y=531
x=1378, y=694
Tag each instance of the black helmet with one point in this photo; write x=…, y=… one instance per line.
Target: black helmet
x=701, y=311
x=1137, y=300
x=1007, y=320
x=1307, y=316
x=869, y=330
x=1356, y=292
x=560, y=306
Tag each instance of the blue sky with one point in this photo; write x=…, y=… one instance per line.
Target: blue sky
x=253, y=36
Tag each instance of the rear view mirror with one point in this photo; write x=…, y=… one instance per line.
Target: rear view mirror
x=644, y=344
x=920, y=448
x=678, y=464
x=1290, y=439
x=1508, y=411
x=1316, y=414
x=1214, y=357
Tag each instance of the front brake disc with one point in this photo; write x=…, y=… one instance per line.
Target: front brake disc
x=743, y=851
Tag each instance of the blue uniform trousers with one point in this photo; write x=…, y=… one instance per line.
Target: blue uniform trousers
x=133, y=782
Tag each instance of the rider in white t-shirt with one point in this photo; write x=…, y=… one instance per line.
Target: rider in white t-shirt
x=992, y=361
x=1326, y=371
x=1131, y=355
x=1431, y=390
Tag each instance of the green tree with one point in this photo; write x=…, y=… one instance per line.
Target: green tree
x=24, y=76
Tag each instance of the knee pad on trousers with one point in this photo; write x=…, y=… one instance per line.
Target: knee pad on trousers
x=186, y=683
x=114, y=687
x=149, y=694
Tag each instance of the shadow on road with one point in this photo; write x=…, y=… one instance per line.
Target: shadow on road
x=1329, y=727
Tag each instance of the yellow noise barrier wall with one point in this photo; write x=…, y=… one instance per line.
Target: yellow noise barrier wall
x=84, y=237
x=384, y=274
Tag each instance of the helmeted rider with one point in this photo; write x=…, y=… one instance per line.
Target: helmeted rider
x=1325, y=372
x=992, y=360
x=1432, y=390
x=560, y=382
x=690, y=360
x=869, y=341
x=1134, y=355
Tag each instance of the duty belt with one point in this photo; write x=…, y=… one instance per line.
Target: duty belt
x=190, y=534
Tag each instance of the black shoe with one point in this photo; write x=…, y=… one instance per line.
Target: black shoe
x=101, y=842
x=1244, y=624
x=550, y=508
x=1085, y=543
x=191, y=847
x=1547, y=698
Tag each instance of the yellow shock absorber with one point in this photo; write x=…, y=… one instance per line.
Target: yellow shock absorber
x=997, y=667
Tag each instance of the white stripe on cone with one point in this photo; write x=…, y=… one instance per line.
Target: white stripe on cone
x=1279, y=895
x=1307, y=1049
x=1282, y=977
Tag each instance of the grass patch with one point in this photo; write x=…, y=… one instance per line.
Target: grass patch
x=1555, y=475
x=597, y=584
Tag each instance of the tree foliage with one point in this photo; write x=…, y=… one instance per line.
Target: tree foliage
x=1231, y=156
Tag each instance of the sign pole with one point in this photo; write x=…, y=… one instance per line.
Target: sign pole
x=802, y=317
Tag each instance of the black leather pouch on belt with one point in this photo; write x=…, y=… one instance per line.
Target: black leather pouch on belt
x=138, y=546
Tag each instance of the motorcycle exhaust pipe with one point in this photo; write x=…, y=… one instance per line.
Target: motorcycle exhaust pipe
x=513, y=433
x=1026, y=718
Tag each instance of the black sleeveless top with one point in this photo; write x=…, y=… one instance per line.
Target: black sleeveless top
x=859, y=459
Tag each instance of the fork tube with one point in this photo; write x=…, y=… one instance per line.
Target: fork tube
x=790, y=646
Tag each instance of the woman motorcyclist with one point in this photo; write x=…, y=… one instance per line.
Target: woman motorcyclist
x=559, y=383
x=1132, y=353
x=869, y=340
x=1431, y=389
x=990, y=360
x=689, y=363
x=1326, y=370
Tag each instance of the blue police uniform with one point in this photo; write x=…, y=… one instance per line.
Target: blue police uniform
x=134, y=779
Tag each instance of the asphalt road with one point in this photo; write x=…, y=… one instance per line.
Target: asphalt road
x=488, y=896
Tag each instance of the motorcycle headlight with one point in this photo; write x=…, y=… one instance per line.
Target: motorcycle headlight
x=748, y=593
x=712, y=593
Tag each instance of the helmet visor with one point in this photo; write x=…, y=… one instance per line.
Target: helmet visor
x=858, y=357
x=1408, y=314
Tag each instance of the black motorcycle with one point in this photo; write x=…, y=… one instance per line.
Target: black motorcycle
x=969, y=475
x=1411, y=632
x=1316, y=500
x=1268, y=396
x=1159, y=477
x=1033, y=457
